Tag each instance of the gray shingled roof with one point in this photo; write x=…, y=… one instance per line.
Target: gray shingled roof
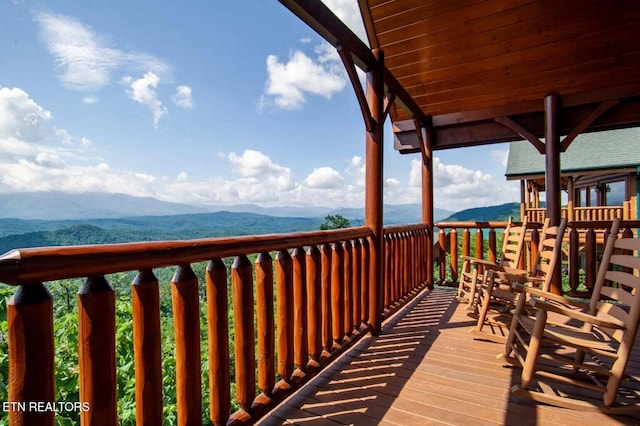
x=588, y=152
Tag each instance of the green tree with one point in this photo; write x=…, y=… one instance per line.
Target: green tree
x=335, y=222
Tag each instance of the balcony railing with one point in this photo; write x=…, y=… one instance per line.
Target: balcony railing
x=318, y=281
x=582, y=244
x=584, y=214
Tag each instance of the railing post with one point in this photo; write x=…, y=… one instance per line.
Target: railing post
x=347, y=319
x=31, y=376
x=284, y=292
x=145, y=301
x=266, y=328
x=325, y=289
x=374, y=188
x=453, y=241
x=242, y=285
x=574, y=259
x=337, y=293
x=364, y=292
x=492, y=245
x=97, y=351
x=356, y=256
x=218, y=333
x=590, y=259
x=186, y=324
x=314, y=310
x=442, y=254
x=301, y=351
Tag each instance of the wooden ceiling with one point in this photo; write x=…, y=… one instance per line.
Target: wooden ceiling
x=470, y=66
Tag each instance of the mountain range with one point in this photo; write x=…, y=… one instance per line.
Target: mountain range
x=54, y=205
x=55, y=218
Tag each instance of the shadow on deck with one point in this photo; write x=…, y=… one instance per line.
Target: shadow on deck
x=425, y=368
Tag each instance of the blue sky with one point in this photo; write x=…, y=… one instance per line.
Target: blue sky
x=217, y=102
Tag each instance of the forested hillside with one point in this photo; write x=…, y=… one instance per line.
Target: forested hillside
x=483, y=214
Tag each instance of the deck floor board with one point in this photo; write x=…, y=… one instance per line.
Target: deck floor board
x=426, y=368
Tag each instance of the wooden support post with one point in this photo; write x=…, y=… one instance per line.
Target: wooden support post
x=552, y=159
x=31, y=377
x=427, y=202
x=97, y=351
x=374, y=189
x=552, y=174
x=145, y=301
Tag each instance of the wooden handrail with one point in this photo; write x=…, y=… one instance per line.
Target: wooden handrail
x=34, y=265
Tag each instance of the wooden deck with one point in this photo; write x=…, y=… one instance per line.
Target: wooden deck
x=426, y=368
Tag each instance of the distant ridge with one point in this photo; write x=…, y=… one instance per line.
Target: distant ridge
x=56, y=205
x=481, y=214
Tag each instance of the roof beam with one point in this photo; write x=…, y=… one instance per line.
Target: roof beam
x=508, y=122
x=323, y=21
x=595, y=114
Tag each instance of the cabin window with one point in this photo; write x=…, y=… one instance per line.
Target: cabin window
x=615, y=193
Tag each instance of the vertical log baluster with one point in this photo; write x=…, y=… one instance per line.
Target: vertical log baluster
x=242, y=287
x=356, y=249
x=266, y=328
x=284, y=297
x=337, y=293
x=364, y=293
x=31, y=376
x=314, y=306
x=574, y=259
x=397, y=268
x=145, y=301
x=479, y=253
x=97, y=351
x=442, y=254
x=327, y=327
x=535, y=241
x=590, y=259
x=301, y=351
x=347, y=318
x=186, y=324
x=492, y=245
x=218, y=334
x=466, y=242
x=453, y=241
x=387, y=285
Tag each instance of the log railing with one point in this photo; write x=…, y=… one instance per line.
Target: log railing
x=318, y=281
x=583, y=242
x=405, y=262
x=585, y=214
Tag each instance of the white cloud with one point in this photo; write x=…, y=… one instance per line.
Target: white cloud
x=254, y=163
x=457, y=187
x=349, y=13
x=325, y=178
x=501, y=156
x=143, y=90
x=84, y=60
x=20, y=117
x=90, y=100
x=289, y=83
x=183, y=97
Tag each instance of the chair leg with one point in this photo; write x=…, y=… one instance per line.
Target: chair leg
x=486, y=299
x=528, y=369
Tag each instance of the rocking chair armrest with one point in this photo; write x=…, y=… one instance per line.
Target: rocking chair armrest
x=506, y=270
x=549, y=296
x=477, y=261
x=566, y=310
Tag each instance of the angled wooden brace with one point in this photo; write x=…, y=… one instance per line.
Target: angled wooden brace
x=600, y=109
x=526, y=134
x=347, y=60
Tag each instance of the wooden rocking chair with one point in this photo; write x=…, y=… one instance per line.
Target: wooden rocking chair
x=568, y=350
x=498, y=293
x=473, y=273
